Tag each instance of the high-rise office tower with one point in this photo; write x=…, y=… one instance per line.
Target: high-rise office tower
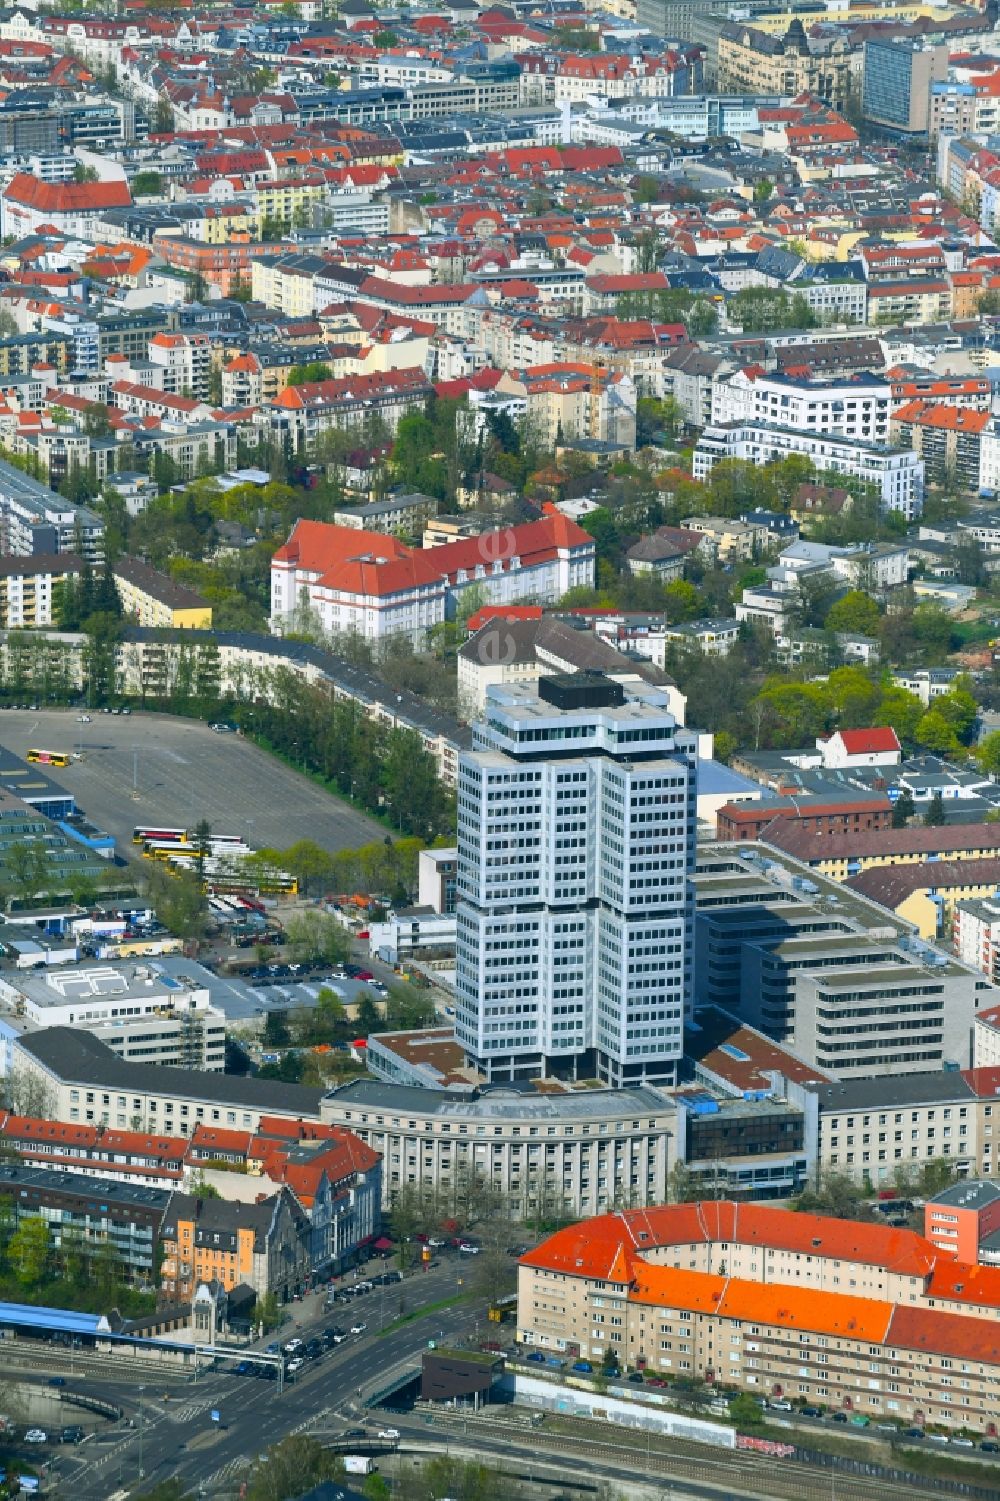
x=576, y=835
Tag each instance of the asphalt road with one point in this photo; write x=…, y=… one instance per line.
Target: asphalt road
x=178, y=1437
x=154, y=768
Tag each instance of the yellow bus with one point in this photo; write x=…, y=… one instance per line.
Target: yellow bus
x=49, y=758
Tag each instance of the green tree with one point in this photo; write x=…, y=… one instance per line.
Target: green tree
x=368, y=1018
x=802, y=710
x=290, y=1468
x=902, y=711
x=178, y=900
x=312, y=935
x=835, y=1194
x=310, y=864
x=28, y=1250
x=681, y=602
x=147, y=184
x=935, y=734
x=988, y=754
x=203, y=844
x=903, y=809
x=934, y=816
x=267, y=1312
x=959, y=709
x=316, y=370
x=853, y=696
x=745, y=1413
x=855, y=612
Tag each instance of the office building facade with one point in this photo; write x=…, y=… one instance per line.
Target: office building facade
x=576, y=836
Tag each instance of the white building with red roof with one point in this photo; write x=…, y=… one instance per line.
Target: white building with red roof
x=374, y=586
x=875, y=747
x=73, y=208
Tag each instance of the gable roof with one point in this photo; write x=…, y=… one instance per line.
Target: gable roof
x=869, y=742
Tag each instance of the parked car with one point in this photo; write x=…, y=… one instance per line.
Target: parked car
x=781, y=1405
x=811, y=1412
x=294, y=1366
x=636, y=1377
x=292, y=1345
x=963, y=1443
x=57, y=1380
x=358, y=1328
x=36, y=1436
x=73, y=1434
x=913, y=1433
x=468, y=1248
x=990, y=1446
x=839, y=1417
x=536, y=1357
x=584, y=1367
x=860, y=1421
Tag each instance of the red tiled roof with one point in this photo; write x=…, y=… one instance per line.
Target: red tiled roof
x=584, y=1249
x=869, y=742
x=66, y=197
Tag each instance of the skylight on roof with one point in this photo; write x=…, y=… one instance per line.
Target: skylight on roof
x=734, y=1052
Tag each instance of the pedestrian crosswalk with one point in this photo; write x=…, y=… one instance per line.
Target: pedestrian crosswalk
x=183, y=1412
x=233, y=1469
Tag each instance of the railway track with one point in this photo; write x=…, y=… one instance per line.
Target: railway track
x=727, y=1471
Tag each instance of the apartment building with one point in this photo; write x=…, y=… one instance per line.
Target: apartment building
x=963, y=1221
x=84, y=1081
x=896, y=473
x=576, y=834
x=404, y=514
x=732, y=541
x=840, y=856
x=35, y=521
x=857, y=407
x=185, y=361
x=29, y=588
x=155, y=599
x=975, y=934
x=927, y=894
x=855, y=1317
x=134, y=1157
x=947, y=438
x=753, y=62
x=373, y=586
x=264, y=1245
x=545, y=1152
x=99, y=1215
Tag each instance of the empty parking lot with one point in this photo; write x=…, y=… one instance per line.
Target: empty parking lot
x=156, y=769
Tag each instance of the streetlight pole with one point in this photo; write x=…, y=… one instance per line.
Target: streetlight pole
x=135, y=770
x=142, y=1469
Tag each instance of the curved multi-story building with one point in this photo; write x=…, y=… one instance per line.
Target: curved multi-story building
x=572, y=1151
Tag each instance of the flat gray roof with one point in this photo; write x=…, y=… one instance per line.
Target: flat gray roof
x=892, y=1092
x=502, y=1103
x=76, y=1057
